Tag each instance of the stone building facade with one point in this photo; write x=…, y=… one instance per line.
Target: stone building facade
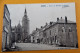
x=62, y=32
x=6, y=34
x=67, y=33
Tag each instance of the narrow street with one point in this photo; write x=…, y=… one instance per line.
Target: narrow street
x=34, y=46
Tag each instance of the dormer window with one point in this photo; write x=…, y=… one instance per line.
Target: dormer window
x=70, y=30
x=63, y=29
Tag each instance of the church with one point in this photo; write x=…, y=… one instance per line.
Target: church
x=21, y=32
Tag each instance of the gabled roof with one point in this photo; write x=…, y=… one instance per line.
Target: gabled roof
x=19, y=25
x=61, y=20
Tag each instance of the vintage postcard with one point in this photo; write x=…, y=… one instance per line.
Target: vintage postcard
x=41, y=26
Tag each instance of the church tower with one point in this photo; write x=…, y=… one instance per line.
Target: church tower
x=25, y=25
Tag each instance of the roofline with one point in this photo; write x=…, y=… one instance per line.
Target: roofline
x=66, y=23
x=58, y=23
x=7, y=8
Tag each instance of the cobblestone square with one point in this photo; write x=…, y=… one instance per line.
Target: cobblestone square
x=34, y=46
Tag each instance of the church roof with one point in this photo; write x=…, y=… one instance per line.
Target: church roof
x=19, y=25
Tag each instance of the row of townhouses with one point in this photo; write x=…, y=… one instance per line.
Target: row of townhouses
x=62, y=32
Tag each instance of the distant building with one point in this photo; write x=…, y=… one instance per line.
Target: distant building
x=22, y=31
x=35, y=36
x=18, y=33
x=7, y=35
x=13, y=34
x=41, y=33
x=25, y=26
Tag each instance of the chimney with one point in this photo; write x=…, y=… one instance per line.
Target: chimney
x=36, y=29
x=65, y=19
x=51, y=23
x=57, y=19
x=61, y=17
x=41, y=26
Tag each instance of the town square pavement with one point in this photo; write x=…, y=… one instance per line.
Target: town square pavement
x=35, y=46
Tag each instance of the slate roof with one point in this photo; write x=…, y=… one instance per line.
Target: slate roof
x=63, y=21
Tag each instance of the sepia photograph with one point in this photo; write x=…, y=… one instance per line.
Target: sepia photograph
x=40, y=26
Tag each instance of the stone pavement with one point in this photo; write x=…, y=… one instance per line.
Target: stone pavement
x=34, y=46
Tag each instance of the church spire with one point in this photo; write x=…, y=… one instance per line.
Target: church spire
x=25, y=13
x=19, y=25
x=19, y=21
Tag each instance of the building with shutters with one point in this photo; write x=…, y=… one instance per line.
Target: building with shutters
x=63, y=32
x=6, y=34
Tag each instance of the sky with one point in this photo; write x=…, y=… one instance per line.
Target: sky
x=40, y=13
